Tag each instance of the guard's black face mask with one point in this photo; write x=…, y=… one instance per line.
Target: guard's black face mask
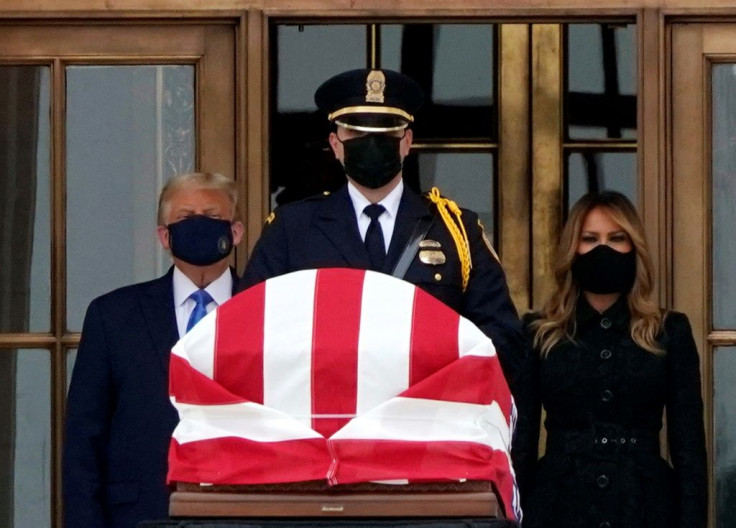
x=200, y=240
x=605, y=270
x=372, y=160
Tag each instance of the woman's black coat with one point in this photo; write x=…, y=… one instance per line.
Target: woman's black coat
x=604, y=397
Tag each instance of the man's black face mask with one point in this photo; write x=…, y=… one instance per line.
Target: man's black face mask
x=372, y=160
x=200, y=240
x=605, y=270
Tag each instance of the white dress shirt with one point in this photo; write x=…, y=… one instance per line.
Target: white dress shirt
x=387, y=219
x=221, y=289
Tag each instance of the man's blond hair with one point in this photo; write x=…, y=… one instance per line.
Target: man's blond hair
x=196, y=180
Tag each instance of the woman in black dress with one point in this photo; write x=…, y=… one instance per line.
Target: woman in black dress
x=607, y=363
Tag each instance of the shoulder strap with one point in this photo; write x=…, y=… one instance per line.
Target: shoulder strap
x=407, y=256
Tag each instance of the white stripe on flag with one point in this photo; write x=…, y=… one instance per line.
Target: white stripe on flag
x=473, y=342
x=198, y=345
x=287, y=344
x=422, y=420
x=385, y=337
x=245, y=420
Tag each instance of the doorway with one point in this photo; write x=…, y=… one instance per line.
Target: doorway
x=96, y=117
x=703, y=161
x=519, y=120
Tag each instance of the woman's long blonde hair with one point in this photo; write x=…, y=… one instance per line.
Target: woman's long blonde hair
x=558, y=315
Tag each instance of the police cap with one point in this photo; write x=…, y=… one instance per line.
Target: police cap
x=370, y=100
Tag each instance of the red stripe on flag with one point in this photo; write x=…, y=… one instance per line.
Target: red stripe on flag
x=232, y=460
x=188, y=385
x=239, y=344
x=470, y=379
x=369, y=460
x=433, y=336
x=337, y=304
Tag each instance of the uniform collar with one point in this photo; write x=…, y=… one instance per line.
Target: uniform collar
x=390, y=202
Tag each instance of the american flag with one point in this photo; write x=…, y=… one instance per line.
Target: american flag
x=344, y=375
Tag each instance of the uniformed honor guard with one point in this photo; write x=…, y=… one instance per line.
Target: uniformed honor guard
x=376, y=222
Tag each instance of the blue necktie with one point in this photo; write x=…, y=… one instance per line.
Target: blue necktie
x=374, y=236
x=202, y=299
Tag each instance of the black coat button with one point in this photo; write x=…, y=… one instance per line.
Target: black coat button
x=606, y=354
x=606, y=395
x=605, y=323
x=602, y=481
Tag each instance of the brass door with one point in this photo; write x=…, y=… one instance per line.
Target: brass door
x=96, y=116
x=520, y=119
x=703, y=161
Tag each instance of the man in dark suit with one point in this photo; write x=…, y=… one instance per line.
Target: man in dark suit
x=119, y=417
x=427, y=240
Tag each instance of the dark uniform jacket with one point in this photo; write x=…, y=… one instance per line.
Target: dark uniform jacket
x=604, y=397
x=322, y=232
x=119, y=417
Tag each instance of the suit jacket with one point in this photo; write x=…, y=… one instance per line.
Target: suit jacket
x=322, y=232
x=119, y=417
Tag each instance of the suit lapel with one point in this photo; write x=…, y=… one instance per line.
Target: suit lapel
x=337, y=221
x=411, y=209
x=157, y=306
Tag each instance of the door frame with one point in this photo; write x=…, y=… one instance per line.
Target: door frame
x=694, y=47
x=210, y=46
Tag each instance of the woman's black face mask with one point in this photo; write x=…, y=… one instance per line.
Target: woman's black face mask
x=200, y=240
x=372, y=160
x=605, y=270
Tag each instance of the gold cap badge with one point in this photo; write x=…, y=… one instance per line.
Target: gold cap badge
x=375, y=84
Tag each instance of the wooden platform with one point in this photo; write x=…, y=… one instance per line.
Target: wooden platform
x=466, y=499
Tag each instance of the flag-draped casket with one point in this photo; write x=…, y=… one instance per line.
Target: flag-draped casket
x=339, y=375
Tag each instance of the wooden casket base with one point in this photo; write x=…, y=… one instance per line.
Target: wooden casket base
x=317, y=499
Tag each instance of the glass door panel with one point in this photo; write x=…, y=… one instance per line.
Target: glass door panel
x=723, y=285
x=25, y=185
x=128, y=130
x=601, y=109
x=25, y=438
x=724, y=418
x=301, y=161
x=588, y=171
x=464, y=177
x=601, y=81
x=704, y=278
x=455, y=64
x=724, y=194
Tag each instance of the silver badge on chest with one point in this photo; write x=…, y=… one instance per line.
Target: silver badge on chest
x=430, y=253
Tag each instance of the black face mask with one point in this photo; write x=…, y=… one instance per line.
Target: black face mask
x=200, y=240
x=372, y=160
x=605, y=270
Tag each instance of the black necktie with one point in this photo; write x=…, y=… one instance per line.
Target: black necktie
x=374, y=236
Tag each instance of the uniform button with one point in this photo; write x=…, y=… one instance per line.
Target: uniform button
x=605, y=323
x=606, y=354
x=437, y=277
x=606, y=395
x=604, y=524
x=602, y=481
